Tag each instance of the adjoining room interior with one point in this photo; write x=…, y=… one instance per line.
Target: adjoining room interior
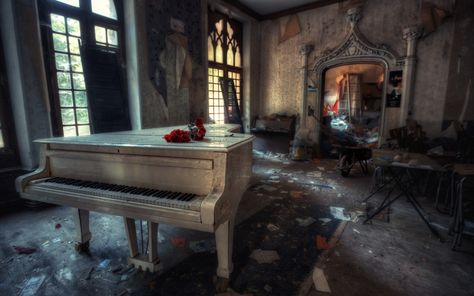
x=247, y=147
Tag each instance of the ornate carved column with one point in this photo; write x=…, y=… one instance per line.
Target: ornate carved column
x=305, y=51
x=410, y=34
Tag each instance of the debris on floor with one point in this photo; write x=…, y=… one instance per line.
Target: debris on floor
x=272, y=227
x=32, y=285
x=315, y=174
x=87, y=273
x=321, y=242
x=57, y=226
x=24, y=250
x=267, y=288
x=104, y=264
x=320, y=281
x=264, y=256
x=325, y=220
x=296, y=194
x=338, y=213
x=266, y=188
x=201, y=246
x=306, y=221
x=178, y=242
x=356, y=231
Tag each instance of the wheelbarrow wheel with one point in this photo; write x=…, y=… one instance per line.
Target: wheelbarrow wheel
x=345, y=165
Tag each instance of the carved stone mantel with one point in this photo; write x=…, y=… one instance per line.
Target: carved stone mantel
x=354, y=49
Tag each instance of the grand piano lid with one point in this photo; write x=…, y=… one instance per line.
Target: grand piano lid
x=218, y=138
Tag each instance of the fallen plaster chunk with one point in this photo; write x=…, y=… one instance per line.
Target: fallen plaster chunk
x=320, y=281
x=272, y=227
x=315, y=174
x=338, y=213
x=306, y=221
x=263, y=256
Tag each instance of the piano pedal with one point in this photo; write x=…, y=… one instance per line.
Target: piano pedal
x=82, y=247
x=222, y=285
x=142, y=263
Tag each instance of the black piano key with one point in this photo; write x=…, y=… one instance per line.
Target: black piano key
x=174, y=195
x=160, y=193
x=182, y=196
x=148, y=192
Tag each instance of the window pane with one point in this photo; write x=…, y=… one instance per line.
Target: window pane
x=84, y=130
x=67, y=115
x=65, y=98
x=76, y=63
x=74, y=45
x=81, y=98
x=73, y=27
x=210, y=49
x=230, y=57
x=64, y=80
x=62, y=61
x=69, y=131
x=78, y=81
x=70, y=2
x=57, y=23
x=82, y=116
x=219, y=52
x=100, y=34
x=105, y=8
x=238, y=62
x=60, y=42
x=112, y=37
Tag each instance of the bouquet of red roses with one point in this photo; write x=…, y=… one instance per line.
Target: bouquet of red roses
x=178, y=136
x=196, y=132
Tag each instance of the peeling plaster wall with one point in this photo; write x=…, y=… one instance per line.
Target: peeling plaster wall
x=382, y=21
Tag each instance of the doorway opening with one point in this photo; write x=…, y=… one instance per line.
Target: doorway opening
x=352, y=105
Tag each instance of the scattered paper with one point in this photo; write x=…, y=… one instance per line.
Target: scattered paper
x=274, y=177
x=320, y=281
x=306, y=221
x=338, y=213
x=104, y=264
x=321, y=168
x=263, y=256
x=272, y=227
x=325, y=220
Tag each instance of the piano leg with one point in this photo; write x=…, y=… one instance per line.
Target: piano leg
x=224, y=244
x=148, y=261
x=83, y=234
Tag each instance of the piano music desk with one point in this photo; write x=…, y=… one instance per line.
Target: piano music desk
x=138, y=175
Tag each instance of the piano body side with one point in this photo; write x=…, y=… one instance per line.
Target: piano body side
x=229, y=185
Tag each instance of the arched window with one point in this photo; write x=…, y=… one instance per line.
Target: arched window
x=224, y=45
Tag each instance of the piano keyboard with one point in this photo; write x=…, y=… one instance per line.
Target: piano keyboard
x=157, y=197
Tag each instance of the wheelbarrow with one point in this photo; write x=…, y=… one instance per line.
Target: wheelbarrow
x=350, y=155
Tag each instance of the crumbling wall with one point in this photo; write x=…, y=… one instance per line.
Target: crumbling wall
x=382, y=21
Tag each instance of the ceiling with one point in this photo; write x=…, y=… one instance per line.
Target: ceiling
x=265, y=7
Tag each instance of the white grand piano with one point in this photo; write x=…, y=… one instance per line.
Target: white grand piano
x=138, y=175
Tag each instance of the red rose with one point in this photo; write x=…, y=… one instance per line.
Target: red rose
x=199, y=122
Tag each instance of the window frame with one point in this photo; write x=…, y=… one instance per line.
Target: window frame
x=214, y=17
x=88, y=20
